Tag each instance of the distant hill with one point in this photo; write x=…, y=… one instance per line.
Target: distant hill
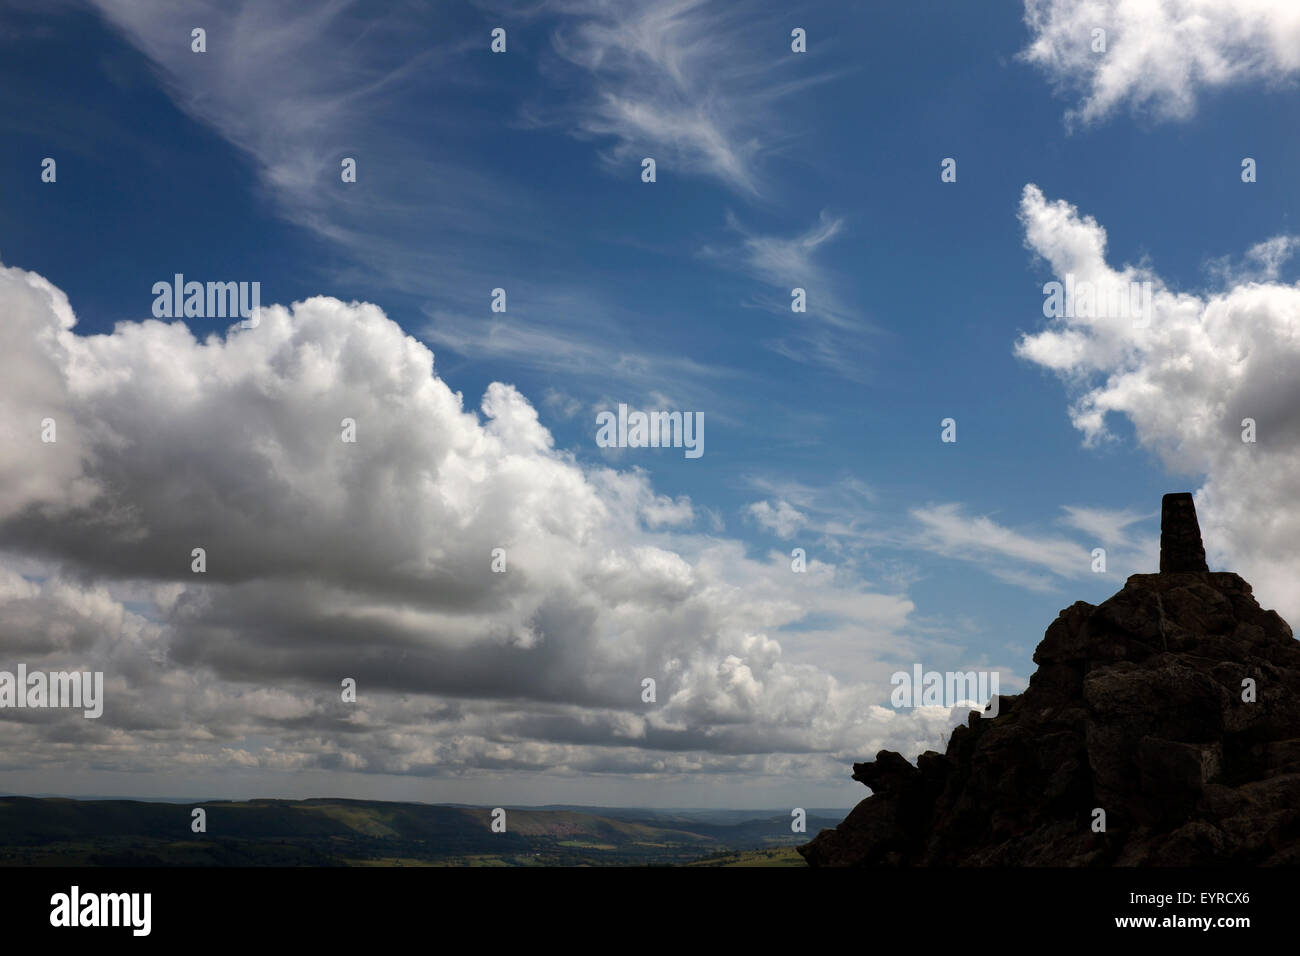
x=56, y=831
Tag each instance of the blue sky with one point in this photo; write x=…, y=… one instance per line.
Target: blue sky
x=820, y=170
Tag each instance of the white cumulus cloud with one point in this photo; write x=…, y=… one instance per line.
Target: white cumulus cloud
x=372, y=560
x=1186, y=382
x=1160, y=54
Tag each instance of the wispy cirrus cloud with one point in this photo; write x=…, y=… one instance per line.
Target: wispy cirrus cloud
x=693, y=83
x=260, y=85
x=830, y=332
x=1107, y=526
x=947, y=530
x=855, y=523
x=577, y=336
x=847, y=520
x=263, y=86
x=1037, y=560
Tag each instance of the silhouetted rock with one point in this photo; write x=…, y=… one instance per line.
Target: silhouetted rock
x=1136, y=709
x=1180, y=535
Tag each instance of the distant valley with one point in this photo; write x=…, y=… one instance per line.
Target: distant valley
x=57, y=831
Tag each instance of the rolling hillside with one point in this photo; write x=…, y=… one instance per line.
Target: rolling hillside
x=54, y=831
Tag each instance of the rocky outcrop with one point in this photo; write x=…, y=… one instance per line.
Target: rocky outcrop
x=1173, y=708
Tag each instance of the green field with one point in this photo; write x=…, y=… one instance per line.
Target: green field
x=785, y=856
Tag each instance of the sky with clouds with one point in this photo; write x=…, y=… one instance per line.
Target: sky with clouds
x=476, y=429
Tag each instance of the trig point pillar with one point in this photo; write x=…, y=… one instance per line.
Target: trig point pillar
x=1180, y=535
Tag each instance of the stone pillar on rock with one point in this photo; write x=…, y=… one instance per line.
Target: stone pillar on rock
x=1180, y=535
